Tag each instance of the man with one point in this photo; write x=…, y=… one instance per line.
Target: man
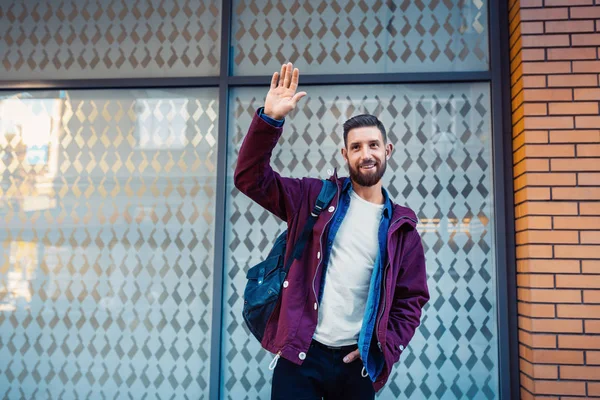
x=353, y=301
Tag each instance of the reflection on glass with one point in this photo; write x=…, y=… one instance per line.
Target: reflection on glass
x=107, y=203
x=442, y=168
x=348, y=36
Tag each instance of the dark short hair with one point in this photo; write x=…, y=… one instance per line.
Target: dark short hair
x=360, y=121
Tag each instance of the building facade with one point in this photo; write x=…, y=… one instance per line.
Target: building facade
x=124, y=244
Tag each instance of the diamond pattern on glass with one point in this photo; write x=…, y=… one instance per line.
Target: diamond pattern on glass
x=106, y=252
x=350, y=36
x=441, y=167
x=105, y=39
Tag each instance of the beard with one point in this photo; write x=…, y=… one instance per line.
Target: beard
x=367, y=178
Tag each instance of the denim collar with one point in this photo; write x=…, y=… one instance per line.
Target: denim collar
x=388, y=207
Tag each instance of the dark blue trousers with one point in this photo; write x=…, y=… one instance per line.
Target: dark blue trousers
x=323, y=375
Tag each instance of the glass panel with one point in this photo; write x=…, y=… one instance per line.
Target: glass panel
x=442, y=168
x=106, y=256
x=349, y=36
x=109, y=39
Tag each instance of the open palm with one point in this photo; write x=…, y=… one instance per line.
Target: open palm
x=282, y=97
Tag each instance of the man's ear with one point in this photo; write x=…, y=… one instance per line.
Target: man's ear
x=344, y=153
x=389, y=149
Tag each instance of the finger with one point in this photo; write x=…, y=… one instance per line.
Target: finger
x=295, y=75
x=288, y=76
x=274, y=80
x=297, y=97
x=282, y=74
x=352, y=356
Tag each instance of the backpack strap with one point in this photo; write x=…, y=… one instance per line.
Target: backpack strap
x=328, y=190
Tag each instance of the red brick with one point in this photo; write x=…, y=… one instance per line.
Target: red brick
x=578, y=342
x=575, y=53
x=528, y=28
x=546, y=208
x=531, y=165
x=536, y=310
x=553, y=3
x=574, y=164
x=548, y=150
x=534, y=54
x=588, y=179
x=575, y=136
x=578, y=281
x=546, y=67
x=531, y=3
x=590, y=266
x=532, y=109
x=559, y=387
x=593, y=389
x=592, y=208
x=532, y=193
x=535, y=280
x=557, y=357
x=537, y=341
x=553, y=296
x=577, y=311
x=546, y=41
x=587, y=121
x=592, y=357
x=573, y=108
x=585, y=12
x=589, y=150
x=544, y=14
x=557, y=325
x=576, y=222
x=554, y=94
x=533, y=222
x=592, y=297
x=586, y=66
x=547, y=237
x=546, y=179
x=574, y=251
x=548, y=266
x=538, y=371
x=579, y=372
x=569, y=26
x=585, y=39
x=586, y=94
x=590, y=237
x=573, y=80
x=534, y=81
x=576, y=193
x=534, y=251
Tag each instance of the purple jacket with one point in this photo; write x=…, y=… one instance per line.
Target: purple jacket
x=291, y=327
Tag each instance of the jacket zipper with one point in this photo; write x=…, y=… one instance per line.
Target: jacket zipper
x=321, y=247
x=384, y=285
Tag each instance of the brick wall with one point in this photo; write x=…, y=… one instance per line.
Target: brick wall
x=555, y=67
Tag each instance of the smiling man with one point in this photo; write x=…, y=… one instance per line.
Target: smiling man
x=351, y=304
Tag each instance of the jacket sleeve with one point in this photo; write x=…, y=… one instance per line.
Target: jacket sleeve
x=410, y=296
x=255, y=178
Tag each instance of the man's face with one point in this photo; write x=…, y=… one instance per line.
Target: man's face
x=366, y=155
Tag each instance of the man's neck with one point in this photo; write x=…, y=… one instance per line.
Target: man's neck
x=372, y=194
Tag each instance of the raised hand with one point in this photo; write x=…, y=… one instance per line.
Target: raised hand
x=282, y=97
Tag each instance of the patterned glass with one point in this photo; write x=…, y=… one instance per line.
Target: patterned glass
x=106, y=249
x=360, y=36
x=108, y=39
x=442, y=168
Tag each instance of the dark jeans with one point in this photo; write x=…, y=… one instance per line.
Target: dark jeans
x=323, y=375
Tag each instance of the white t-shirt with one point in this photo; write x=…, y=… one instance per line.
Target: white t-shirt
x=348, y=277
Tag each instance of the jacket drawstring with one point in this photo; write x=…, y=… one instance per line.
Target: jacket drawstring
x=273, y=362
x=364, y=373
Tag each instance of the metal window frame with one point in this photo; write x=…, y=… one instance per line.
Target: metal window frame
x=498, y=76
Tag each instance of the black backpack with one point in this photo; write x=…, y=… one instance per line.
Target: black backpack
x=266, y=278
